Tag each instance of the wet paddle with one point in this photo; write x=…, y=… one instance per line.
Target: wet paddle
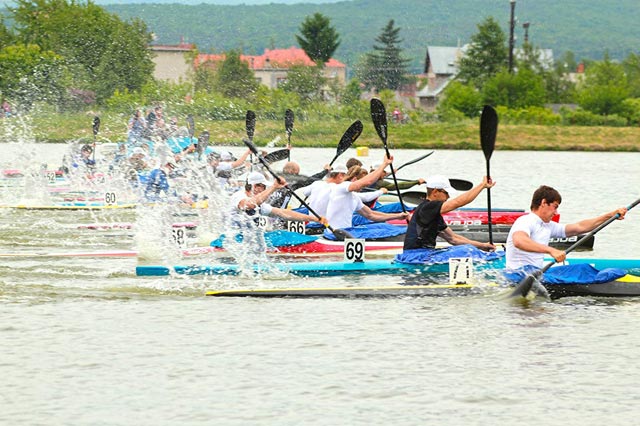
x=379, y=118
x=275, y=156
x=250, y=126
x=96, y=129
x=348, y=138
x=524, y=286
x=203, y=142
x=408, y=163
x=288, y=126
x=339, y=233
x=488, y=132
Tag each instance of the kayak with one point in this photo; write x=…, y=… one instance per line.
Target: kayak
x=369, y=267
x=70, y=206
x=626, y=286
x=479, y=216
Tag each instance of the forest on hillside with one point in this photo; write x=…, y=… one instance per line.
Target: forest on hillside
x=588, y=28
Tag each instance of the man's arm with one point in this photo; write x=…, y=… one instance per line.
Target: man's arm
x=466, y=197
x=588, y=225
x=523, y=242
x=455, y=240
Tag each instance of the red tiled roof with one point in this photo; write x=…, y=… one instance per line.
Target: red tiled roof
x=175, y=47
x=277, y=58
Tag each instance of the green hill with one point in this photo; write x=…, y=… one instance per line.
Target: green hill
x=589, y=28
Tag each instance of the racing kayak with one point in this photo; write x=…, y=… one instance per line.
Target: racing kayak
x=369, y=267
x=70, y=206
x=626, y=286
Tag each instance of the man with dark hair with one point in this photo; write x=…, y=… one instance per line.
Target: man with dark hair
x=529, y=237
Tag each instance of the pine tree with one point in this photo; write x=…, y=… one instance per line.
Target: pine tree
x=385, y=67
x=318, y=38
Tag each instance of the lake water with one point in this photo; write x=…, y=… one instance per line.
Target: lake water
x=86, y=342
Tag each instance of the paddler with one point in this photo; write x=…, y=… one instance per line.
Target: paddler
x=529, y=237
x=427, y=222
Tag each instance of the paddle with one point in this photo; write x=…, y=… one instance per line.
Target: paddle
x=488, y=131
x=524, y=286
x=276, y=156
x=379, y=117
x=250, y=125
x=348, y=138
x=96, y=129
x=191, y=127
x=288, y=126
x=422, y=157
x=203, y=142
x=339, y=233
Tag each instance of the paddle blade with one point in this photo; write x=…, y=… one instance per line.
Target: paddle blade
x=341, y=234
x=191, y=127
x=415, y=161
x=203, y=142
x=288, y=122
x=379, y=117
x=461, y=184
x=252, y=147
x=275, y=156
x=524, y=287
x=96, y=125
x=349, y=137
x=488, y=130
x=250, y=124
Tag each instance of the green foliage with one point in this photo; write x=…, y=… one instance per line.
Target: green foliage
x=631, y=111
x=519, y=90
x=587, y=118
x=6, y=38
x=351, y=92
x=28, y=75
x=304, y=81
x=234, y=79
x=530, y=115
x=461, y=97
x=385, y=67
x=487, y=54
x=318, y=38
x=631, y=66
x=604, y=88
x=108, y=53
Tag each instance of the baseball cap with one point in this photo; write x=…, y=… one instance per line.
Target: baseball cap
x=339, y=168
x=439, y=182
x=225, y=156
x=138, y=150
x=255, y=178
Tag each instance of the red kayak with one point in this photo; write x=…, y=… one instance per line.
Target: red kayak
x=478, y=216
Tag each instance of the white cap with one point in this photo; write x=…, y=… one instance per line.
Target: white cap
x=225, y=156
x=255, y=178
x=138, y=150
x=339, y=168
x=439, y=182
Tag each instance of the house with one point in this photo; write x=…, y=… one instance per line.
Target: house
x=172, y=61
x=271, y=68
x=441, y=67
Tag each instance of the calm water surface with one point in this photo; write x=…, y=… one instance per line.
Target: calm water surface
x=86, y=342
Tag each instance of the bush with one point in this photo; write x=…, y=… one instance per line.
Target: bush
x=581, y=117
x=530, y=115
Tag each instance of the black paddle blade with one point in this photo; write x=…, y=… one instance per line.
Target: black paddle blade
x=488, y=130
x=203, y=141
x=524, y=287
x=461, y=184
x=252, y=147
x=341, y=234
x=379, y=117
x=191, y=127
x=288, y=122
x=415, y=160
x=275, y=156
x=349, y=137
x=250, y=124
x=96, y=125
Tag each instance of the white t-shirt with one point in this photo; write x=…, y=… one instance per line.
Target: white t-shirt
x=318, y=196
x=263, y=209
x=342, y=204
x=538, y=231
x=367, y=197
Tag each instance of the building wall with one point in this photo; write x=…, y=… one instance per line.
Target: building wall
x=171, y=65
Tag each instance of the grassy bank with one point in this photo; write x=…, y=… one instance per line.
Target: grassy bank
x=61, y=128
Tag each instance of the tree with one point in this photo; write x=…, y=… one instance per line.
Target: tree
x=306, y=81
x=604, y=89
x=520, y=90
x=105, y=52
x=386, y=66
x=462, y=97
x=318, y=38
x=631, y=66
x=28, y=74
x=486, y=56
x=6, y=38
x=234, y=79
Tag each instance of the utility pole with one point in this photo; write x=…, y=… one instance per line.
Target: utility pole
x=512, y=25
x=526, y=32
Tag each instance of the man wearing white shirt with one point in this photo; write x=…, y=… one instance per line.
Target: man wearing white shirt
x=529, y=237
